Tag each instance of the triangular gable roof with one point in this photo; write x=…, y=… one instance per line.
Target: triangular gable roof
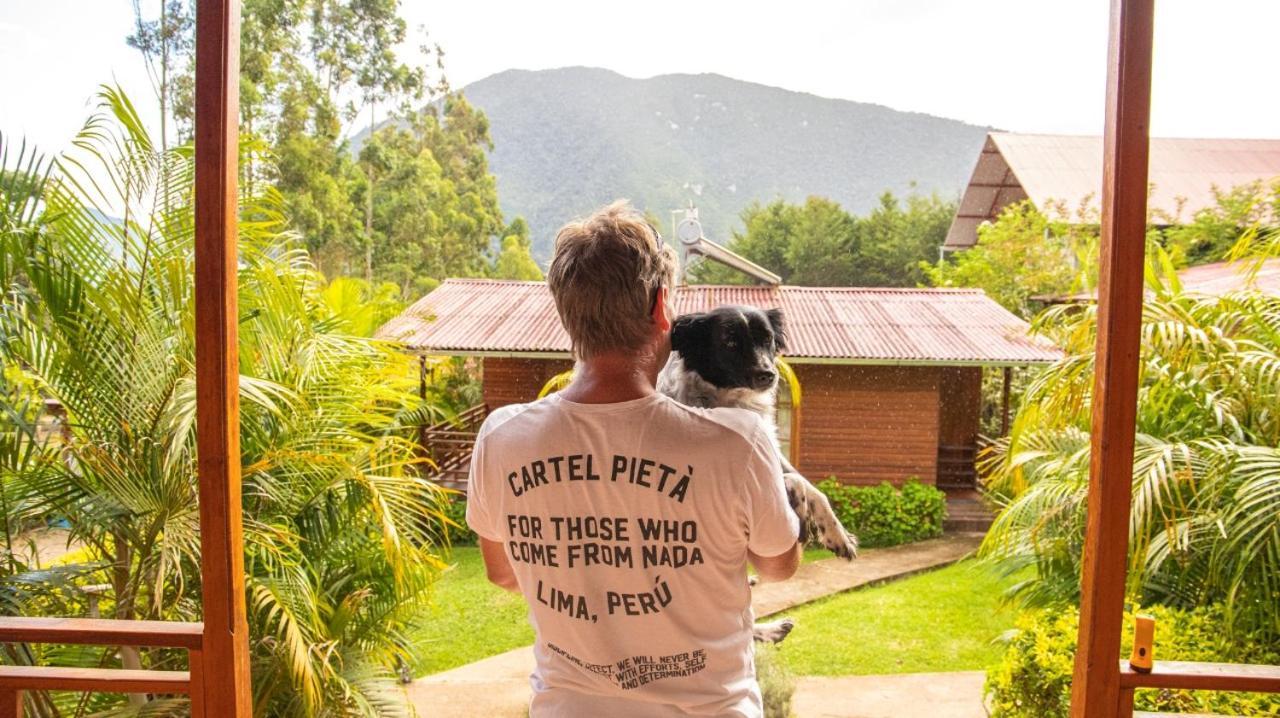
x=955, y=327
x=1050, y=169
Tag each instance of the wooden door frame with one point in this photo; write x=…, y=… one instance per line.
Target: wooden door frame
x=222, y=684
x=224, y=681
x=1095, y=688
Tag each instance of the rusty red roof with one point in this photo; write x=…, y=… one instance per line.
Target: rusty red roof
x=1212, y=280
x=1223, y=277
x=1067, y=169
x=825, y=324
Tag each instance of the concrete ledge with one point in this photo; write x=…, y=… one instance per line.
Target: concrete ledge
x=905, y=695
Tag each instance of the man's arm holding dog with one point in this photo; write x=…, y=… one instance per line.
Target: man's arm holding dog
x=777, y=568
x=773, y=535
x=497, y=566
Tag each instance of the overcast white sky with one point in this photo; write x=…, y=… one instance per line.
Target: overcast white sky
x=1023, y=65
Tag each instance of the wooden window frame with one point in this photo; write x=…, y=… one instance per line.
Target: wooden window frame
x=226, y=685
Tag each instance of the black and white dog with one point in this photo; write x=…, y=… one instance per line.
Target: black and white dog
x=728, y=357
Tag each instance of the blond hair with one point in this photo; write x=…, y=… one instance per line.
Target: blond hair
x=604, y=275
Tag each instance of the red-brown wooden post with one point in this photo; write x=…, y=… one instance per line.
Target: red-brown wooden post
x=10, y=703
x=224, y=676
x=1125, y=709
x=195, y=668
x=1095, y=690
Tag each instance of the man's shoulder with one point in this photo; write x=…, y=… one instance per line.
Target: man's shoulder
x=743, y=422
x=509, y=415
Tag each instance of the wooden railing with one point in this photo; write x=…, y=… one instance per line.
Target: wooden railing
x=1195, y=676
x=449, y=444
x=16, y=680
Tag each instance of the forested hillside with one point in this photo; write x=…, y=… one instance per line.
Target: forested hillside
x=568, y=140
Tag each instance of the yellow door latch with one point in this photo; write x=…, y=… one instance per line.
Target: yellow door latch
x=1144, y=634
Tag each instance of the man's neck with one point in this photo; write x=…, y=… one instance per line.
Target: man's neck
x=611, y=378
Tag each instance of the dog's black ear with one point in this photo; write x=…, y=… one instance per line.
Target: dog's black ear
x=690, y=333
x=779, y=327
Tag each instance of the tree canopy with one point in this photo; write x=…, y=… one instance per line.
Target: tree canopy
x=417, y=204
x=818, y=243
x=1020, y=260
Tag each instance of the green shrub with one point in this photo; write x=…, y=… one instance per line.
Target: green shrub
x=885, y=516
x=777, y=685
x=1033, y=679
x=456, y=530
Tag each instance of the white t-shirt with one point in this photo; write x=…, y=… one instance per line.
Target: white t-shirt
x=628, y=527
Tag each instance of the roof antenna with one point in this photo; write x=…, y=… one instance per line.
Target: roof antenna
x=696, y=248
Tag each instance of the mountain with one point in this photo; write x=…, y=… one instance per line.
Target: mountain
x=569, y=140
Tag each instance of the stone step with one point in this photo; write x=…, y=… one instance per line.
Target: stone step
x=967, y=512
x=966, y=525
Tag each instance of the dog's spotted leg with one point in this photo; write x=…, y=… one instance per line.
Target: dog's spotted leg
x=814, y=511
x=774, y=631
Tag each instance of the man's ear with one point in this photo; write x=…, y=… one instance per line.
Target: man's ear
x=689, y=332
x=660, y=317
x=779, y=327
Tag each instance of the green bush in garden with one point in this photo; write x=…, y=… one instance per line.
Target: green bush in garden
x=886, y=516
x=1033, y=679
x=456, y=530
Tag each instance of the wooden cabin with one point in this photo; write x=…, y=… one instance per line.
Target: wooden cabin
x=887, y=382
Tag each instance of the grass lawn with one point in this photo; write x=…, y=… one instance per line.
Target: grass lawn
x=944, y=620
x=469, y=618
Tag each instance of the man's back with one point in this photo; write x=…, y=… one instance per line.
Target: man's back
x=628, y=526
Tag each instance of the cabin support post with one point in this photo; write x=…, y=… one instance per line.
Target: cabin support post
x=1095, y=688
x=1004, y=401
x=1126, y=703
x=223, y=677
x=10, y=703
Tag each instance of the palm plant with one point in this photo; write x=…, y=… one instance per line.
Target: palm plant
x=1205, y=524
x=340, y=531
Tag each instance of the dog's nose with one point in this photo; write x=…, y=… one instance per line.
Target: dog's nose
x=763, y=378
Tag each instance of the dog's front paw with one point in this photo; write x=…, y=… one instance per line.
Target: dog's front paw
x=830, y=532
x=838, y=541
x=774, y=631
x=818, y=519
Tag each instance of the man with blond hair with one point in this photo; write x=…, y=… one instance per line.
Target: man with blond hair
x=625, y=518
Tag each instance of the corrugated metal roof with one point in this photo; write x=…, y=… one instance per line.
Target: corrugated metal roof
x=1223, y=277
x=1213, y=280
x=835, y=324
x=1068, y=169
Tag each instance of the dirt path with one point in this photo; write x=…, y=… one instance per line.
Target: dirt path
x=50, y=543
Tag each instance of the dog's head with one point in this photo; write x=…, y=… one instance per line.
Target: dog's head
x=731, y=347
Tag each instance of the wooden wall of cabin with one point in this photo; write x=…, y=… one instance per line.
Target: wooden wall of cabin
x=861, y=424
x=867, y=424
x=512, y=380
